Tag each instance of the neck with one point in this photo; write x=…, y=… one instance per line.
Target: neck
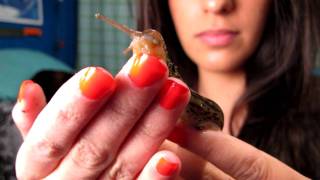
x=225, y=89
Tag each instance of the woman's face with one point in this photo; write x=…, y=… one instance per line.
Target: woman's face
x=219, y=35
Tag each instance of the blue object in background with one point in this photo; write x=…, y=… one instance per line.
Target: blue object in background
x=59, y=32
x=22, y=9
x=17, y=65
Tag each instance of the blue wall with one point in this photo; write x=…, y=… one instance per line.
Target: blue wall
x=59, y=32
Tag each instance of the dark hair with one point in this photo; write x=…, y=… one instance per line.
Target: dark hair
x=278, y=73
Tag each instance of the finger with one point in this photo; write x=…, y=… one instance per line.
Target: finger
x=31, y=101
x=151, y=131
x=57, y=126
x=137, y=85
x=235, y=157
x=164, y=165
x=193, y=166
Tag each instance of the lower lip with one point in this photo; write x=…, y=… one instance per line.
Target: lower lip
x=218, y=40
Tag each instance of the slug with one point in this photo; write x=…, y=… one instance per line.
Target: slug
x=201, y=113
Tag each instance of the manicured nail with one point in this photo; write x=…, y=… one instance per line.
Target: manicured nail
x=172, y=94
x=146, y=70
x=96, y=83
x=166, y=168
x=23, y=96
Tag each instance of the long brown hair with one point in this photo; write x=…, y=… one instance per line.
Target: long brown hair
x=278, y=73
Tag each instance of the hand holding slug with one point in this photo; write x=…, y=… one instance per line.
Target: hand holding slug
x=99, y=126
x=102, y=127
x=201, y=113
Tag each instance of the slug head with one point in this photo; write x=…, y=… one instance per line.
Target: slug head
x=149, y=42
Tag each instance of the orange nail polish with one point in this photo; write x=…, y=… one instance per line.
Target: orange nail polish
x=146, y=70
x=23, y=95
x=172, y=94
x=166, y=168
x=96, y=83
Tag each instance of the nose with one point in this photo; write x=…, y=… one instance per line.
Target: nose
x=218, y=6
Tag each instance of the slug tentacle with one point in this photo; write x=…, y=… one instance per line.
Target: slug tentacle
x=201, y=113
x=132, y=33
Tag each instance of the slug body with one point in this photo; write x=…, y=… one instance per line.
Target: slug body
x=201, y=113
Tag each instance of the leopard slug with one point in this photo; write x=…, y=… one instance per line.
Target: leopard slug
x=201, y=113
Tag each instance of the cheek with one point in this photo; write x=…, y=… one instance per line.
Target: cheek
x=253, y=18
x=185, y=16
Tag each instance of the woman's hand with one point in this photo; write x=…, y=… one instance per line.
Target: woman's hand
x=224, y=157
x=97, y=126
x=115, y=132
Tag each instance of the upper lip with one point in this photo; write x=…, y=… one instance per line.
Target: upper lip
x=217, y=32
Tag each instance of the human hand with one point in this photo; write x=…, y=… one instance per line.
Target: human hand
x=223, y=157
x=97, y=126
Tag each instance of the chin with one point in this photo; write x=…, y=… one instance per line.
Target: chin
x=225, y=69
x=221, y=63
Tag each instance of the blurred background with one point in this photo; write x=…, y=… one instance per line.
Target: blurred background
x=48, y=40
x=56, y=38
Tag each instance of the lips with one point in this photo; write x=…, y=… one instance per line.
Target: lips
x=217, y=38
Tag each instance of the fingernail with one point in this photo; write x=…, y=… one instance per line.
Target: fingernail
x=166, y=168
x=23, y=95
x=172, y=94
x=146, y=70
x=96, y=83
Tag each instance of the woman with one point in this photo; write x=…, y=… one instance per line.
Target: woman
x=272, y=54
x=255, y=54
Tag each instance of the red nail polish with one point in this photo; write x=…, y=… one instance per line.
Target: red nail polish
x=96, y=83
x=166, y=168
x=172, y=94
x=23, y=96
x=146, y=70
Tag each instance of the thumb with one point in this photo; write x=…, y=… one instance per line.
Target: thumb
x=30, y=102
x=164, y=165
x=233, y=156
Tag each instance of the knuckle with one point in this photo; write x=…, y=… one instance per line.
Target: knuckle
x=119, y=110
x=69, y=117
x=150, y=131
x=49, y=149
x=125, y=113
x=38, y=151
x=208, y=151
x=88, y=156
x=254, y=167
x=121, y=170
